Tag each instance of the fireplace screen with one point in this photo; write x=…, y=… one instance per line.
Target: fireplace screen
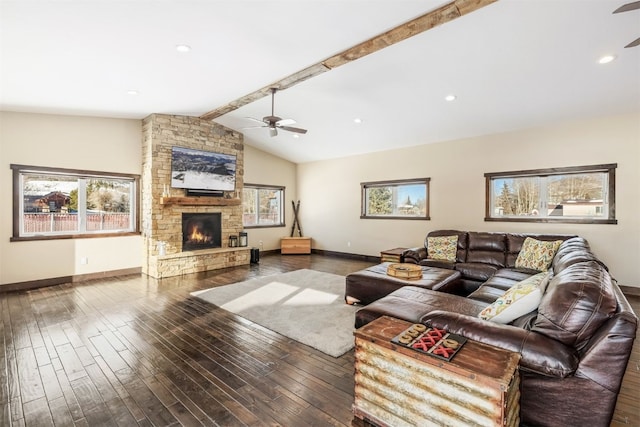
x=201, y=231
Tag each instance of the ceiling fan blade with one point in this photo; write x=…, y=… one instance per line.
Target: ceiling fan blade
x=254, y=127
x=285, y=122
x=291, y=129
x=634, y=43
x=273, y=132
x=627, y=7
x=255, y=120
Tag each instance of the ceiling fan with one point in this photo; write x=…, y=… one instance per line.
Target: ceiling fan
x=626, y=8
x=274, y=122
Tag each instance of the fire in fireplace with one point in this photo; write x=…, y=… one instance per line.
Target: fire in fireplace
x=201, y=231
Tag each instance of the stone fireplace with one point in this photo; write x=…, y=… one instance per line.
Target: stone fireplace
x=201, y=231
x=167, y=252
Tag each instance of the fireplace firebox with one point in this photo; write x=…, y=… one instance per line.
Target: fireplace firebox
x=201, y=231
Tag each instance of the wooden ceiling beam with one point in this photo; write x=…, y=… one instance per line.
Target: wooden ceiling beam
x=434, y=18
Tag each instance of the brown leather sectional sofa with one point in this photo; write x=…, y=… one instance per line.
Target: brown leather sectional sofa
x=575, y=347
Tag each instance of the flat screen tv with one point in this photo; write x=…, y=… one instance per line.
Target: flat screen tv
x=196, y=170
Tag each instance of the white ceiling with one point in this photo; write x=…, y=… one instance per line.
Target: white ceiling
x=514, y=64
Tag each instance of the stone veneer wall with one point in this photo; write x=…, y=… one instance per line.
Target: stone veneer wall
x=162, y=222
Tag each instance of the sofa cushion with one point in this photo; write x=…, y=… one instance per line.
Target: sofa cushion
x=487, y=294
x=442, y=247
x=499, y=283
x=578, y=300
x=507, y=277
x=476, y=270
x=537, y=254
x=522, y=298
x=487, y=248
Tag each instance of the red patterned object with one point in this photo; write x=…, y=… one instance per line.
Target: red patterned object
x=432, y=341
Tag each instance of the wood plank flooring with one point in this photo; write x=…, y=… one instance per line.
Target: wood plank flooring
x=133, y=351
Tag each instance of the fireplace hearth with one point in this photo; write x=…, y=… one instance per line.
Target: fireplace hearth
x=201, y=231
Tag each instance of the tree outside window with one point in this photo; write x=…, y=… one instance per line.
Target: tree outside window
x=575, y=194
x=399, y=199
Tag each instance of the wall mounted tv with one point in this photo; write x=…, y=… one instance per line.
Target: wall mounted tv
x=202, y=171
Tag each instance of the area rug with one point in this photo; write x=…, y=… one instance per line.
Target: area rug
x=305, y=305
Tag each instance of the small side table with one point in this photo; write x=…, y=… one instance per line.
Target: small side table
x=395, y=385
x=392, y=255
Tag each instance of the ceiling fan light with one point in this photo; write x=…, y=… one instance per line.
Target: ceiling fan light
x=606, y=59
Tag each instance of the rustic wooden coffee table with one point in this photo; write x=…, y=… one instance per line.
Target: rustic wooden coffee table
x=398, y=386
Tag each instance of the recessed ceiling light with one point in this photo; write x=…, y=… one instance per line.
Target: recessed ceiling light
x=357, y=121
x=183, y=48
x=450, y=98
x=133, y=92
x=295, y=135
x=606, y=59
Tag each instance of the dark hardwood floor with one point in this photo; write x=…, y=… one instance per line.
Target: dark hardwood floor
x=138, y=351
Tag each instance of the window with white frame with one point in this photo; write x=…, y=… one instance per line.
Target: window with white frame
x=582, y=194
x=262, y=206
x=51, y=203
x=397, y=199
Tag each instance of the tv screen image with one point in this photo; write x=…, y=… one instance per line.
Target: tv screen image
x=202, y=170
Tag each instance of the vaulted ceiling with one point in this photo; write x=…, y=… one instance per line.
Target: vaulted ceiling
x=512, y=64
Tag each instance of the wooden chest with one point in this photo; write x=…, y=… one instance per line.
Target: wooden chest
x=397, y=386
x=295, y=245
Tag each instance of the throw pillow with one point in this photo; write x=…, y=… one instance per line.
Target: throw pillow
x=520, y=299
x=442, y=247
x=537, y=254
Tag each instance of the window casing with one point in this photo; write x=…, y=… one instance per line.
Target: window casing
x=262, y=206
x=398, y=199
x=53, y=203
x=581, y=194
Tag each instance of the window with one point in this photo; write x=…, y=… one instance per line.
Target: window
x=262, y=206
x=583, y=194
x=61, y=203
x=399, y=199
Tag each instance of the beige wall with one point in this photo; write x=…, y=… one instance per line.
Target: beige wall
x=263, y=168
x=98, y=144
x=330, y=190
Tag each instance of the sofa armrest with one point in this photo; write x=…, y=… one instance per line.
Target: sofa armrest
x=540, y=354
x=609, y=347
x=414, y=255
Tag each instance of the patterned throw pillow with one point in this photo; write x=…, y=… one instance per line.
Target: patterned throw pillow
x=442, y=247
x=537, y=254
x=520, y=299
